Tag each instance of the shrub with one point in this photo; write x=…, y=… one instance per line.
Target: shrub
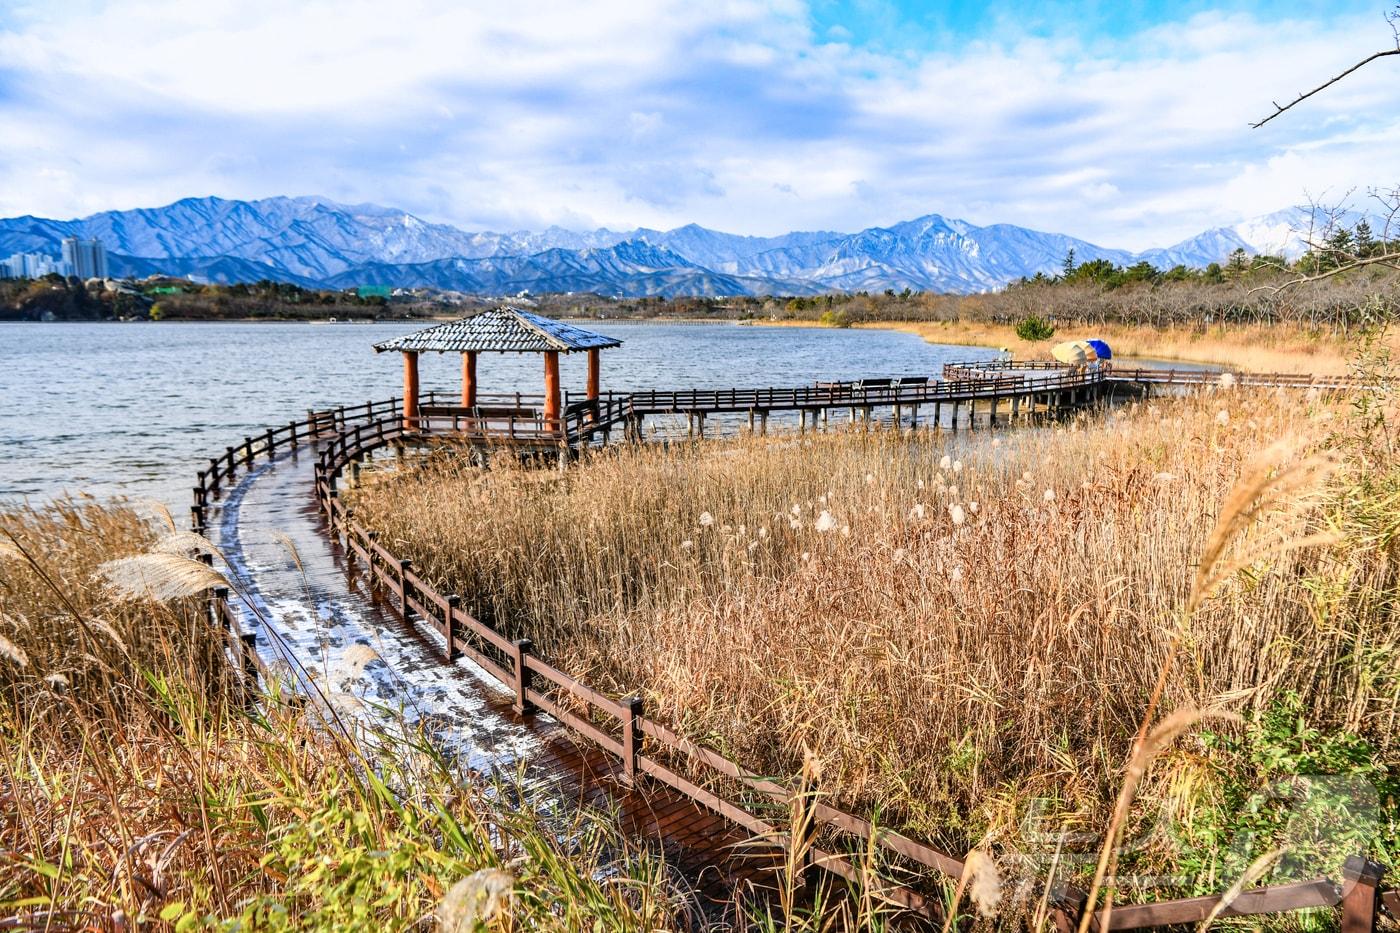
x=1031, y=327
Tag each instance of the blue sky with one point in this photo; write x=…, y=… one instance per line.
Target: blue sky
x=1124, y=123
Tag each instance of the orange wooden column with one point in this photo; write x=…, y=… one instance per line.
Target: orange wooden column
x=469, y=379
x=410, y=389
x=551, y=389
x=593, y=382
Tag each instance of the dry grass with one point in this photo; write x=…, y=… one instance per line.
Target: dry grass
x=956, y=626
x=138, y=792
x=1275, y=348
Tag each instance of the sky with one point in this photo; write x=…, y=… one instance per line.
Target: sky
x=1124, y=123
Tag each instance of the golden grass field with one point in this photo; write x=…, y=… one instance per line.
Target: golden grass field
x=965, y=632
x=1263, y=349
x=1273, y=348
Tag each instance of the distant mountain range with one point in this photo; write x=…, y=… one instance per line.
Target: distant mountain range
x=316, y=242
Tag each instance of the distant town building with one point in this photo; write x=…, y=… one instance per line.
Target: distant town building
x=87, y=258
x=374, y=291
x=32, y=266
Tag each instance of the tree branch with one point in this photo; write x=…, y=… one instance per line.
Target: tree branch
x=1278, y=109
x=1390, y=260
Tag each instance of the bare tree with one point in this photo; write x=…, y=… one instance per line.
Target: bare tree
x=1393, y=19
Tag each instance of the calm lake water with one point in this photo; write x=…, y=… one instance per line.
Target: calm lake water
x=136, y=409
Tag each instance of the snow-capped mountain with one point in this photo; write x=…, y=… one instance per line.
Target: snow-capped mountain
x=314, y=241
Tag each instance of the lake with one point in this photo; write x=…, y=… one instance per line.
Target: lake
x=136, y=409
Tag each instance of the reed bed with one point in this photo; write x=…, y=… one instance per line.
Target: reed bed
x=965, y=631
x=1275, y=348
x=139, y=788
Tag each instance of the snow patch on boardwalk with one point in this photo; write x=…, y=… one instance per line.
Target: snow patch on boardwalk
x=313, y=627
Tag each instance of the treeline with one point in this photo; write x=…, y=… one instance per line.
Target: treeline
x=55, y=297
x=1245, y=291
x=264, y=300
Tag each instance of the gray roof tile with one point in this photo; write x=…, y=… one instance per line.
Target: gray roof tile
x=500, y=330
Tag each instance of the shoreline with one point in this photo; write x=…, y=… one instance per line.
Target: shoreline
x=1276, y=348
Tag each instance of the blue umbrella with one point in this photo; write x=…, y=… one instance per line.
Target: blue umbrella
x=1101, y=349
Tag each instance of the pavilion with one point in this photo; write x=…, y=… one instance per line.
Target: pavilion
x=499, y=330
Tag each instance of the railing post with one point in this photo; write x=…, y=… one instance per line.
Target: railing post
x=250, y=659
x=1360, y=894
x=1068, y=905
x=269, y=443
x=404, y=567
x=522, y=648
x=217, y=597
x=631, y=737
x=449, y=620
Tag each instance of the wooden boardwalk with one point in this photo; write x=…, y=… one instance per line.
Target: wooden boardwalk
x=313, y=608
x=968, y=396
x=704, y=810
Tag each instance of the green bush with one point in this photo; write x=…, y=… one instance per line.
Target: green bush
x=841, y=318
x=1032, y=327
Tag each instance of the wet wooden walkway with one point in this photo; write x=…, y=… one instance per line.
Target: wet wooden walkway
x=302, y=609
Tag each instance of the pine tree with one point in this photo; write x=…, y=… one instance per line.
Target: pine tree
x=1236, y=266
x=1069, y=263
x=1365, y=240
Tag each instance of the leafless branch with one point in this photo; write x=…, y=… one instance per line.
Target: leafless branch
x=1393, y=19
x=1391, y=260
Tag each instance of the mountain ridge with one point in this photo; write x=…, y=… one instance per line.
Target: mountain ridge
x=316, y=241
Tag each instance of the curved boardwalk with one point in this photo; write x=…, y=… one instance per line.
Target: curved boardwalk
x=284, y=562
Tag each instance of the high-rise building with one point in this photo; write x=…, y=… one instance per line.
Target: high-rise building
x=87, y=258
x=33, y=266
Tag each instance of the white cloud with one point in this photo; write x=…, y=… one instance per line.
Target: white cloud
x=736, y=115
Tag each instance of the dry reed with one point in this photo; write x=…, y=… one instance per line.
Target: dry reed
x=956, y=625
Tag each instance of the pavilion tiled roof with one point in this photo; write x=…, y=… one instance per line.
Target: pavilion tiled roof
x=500, y=330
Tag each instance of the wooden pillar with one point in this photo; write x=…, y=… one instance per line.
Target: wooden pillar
x=593, y=380
x=469, y=379
x=551, y=390
x=410, y=389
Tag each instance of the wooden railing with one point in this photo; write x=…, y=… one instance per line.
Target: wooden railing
x=831, y=395
x=645, y=746
x=1183, y=377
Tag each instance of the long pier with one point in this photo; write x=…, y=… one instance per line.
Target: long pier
x=969, y=395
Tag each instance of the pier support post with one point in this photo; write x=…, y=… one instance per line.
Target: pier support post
x=763, y=422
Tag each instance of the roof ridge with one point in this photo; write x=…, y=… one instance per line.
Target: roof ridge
x=525, y=319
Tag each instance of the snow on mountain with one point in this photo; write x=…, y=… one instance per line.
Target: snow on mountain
x=315, y=241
